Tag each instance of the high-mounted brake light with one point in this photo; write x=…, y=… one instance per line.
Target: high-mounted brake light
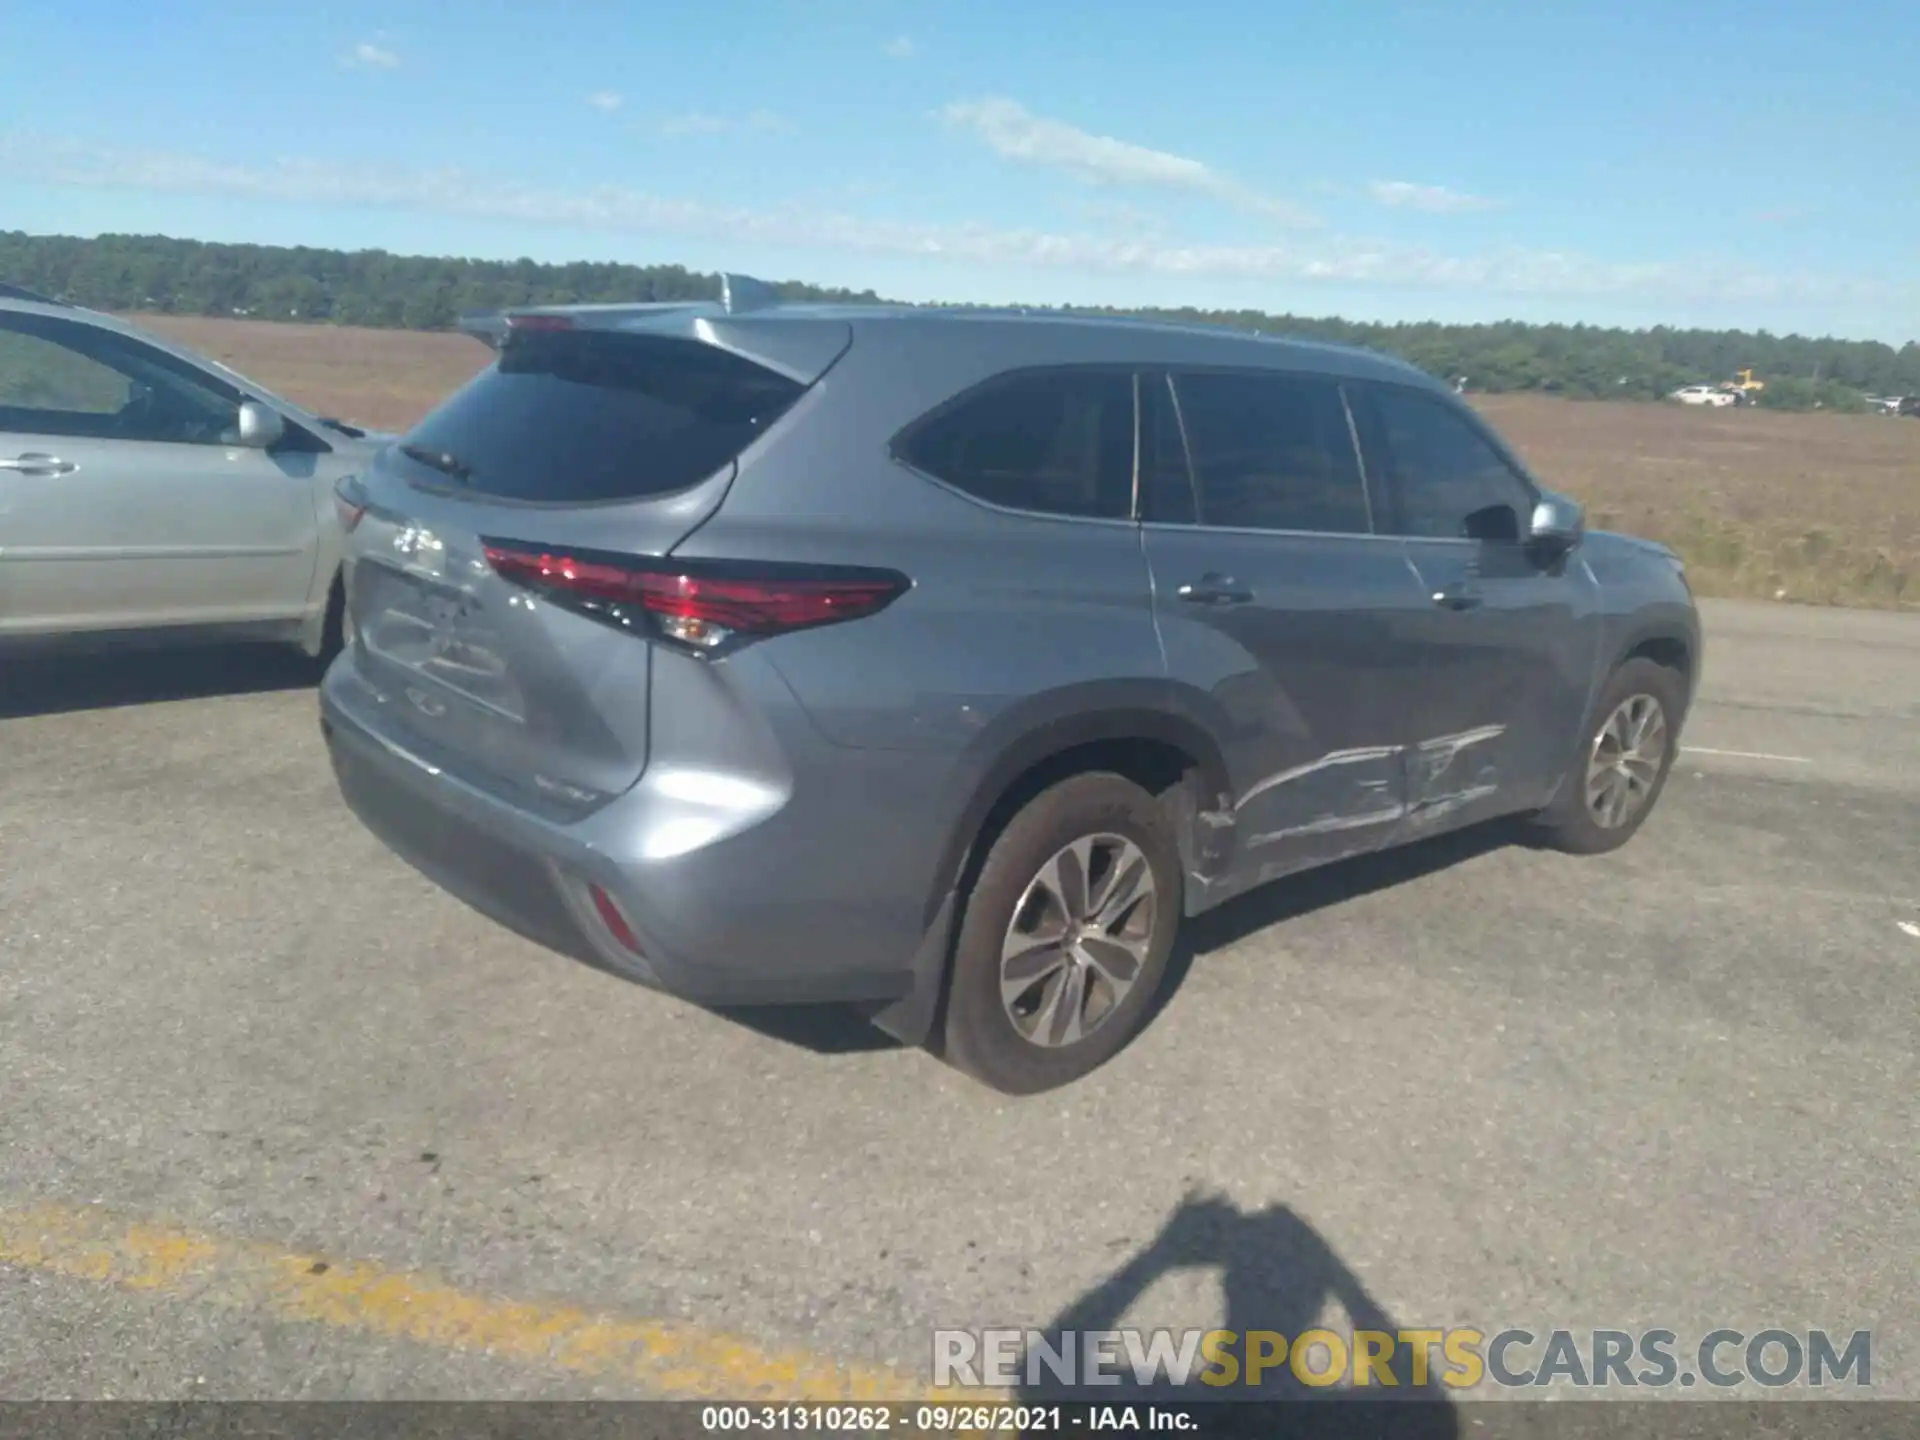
x=540, y=322
x=702, y=604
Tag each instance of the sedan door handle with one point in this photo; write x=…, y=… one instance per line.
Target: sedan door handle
x=33, y=463
x=1457, y=597
x=1211, y=589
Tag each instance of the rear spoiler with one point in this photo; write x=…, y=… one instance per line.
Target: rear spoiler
x=739, y=295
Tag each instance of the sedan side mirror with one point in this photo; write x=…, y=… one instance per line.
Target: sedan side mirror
x=1557, y=524
x=261, y=427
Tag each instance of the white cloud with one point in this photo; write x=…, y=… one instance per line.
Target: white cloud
x=1433, y=199
x=1013, y=132
x=369, y=56
x=901, y=47
x=607, y=100
x=754, y=122
x=619, y=209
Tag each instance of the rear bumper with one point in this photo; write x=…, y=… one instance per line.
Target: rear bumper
x=715, y=925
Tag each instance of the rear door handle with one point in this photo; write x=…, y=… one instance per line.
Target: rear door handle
x=1213, y=589
x=1457, y=597
x=34, y=463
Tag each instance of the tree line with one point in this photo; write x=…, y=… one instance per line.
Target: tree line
x=157, y=273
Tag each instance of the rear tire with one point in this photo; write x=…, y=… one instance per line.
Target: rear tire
x=1065, y=937
x=1624, y=758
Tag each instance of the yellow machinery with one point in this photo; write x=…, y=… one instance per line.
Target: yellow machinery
x=1746, y=386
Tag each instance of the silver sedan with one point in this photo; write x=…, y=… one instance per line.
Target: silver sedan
x=144, y=488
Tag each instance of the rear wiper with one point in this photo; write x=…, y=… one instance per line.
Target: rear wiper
x=439, y=460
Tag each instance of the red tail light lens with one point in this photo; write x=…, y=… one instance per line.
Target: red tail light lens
x=699, y=603
x=348, y=504
x=611, y=917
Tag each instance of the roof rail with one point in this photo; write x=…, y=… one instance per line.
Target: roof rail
x=742, y=293
x=20, y=292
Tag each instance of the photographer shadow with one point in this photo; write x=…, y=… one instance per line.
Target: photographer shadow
x=1278, y=1274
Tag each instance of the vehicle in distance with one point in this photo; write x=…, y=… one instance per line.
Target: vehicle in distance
x=943, y=663
x=145, y=489
x=1705, y=395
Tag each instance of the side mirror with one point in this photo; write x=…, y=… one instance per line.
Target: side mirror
x=261, y=427
x=1557, y=524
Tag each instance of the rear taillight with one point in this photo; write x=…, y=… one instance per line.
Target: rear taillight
x=611, y=916
x=349, y=503
x=702, y=604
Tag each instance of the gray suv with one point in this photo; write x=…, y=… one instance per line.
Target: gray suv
x=941, y=663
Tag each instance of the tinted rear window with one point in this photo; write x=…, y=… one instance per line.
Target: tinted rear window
x=583, y=416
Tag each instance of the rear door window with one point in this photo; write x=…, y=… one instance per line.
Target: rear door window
x=1056, y=442
x=576, y=417
x=1272, y=452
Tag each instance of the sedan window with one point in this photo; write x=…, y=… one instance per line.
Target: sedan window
x=38, y=375
x=59, y=377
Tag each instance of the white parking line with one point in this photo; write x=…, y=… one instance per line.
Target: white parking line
x=1744, y=754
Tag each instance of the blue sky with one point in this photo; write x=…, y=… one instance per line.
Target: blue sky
x=1747, y=164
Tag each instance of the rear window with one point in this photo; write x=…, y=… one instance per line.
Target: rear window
x=575, y=417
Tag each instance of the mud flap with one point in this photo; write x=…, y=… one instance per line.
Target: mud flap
x=911, y=1019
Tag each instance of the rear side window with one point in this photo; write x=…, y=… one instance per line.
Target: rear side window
x=574, y=417
x=1055, y=442
x=1272, y=452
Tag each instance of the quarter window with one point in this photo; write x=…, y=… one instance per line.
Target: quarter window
x=1054, y=442
x=1449, y=483
x=1272, y=452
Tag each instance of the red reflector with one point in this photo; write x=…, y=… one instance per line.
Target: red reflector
x=739, y=596
x=611, y=917
x=540, y=322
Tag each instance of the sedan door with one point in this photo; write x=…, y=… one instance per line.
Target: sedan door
x=1276, y=597
x=1506, y=637
x=126, y=499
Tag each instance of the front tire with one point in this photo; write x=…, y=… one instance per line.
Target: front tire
x=1623, y=762
x=1065, y=937
x=336, y=632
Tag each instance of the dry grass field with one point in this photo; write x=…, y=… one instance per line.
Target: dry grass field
x=1816, y=508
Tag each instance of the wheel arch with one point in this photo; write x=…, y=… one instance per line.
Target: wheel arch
x=1149, y=734
x=1672, y=642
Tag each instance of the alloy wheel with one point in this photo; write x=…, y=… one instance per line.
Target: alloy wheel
x=1625, y=763
x=1078, y=940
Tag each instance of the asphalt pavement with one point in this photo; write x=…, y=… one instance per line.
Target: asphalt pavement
x=282, y=1120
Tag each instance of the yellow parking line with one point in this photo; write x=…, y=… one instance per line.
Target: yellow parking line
x=666, y=1359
